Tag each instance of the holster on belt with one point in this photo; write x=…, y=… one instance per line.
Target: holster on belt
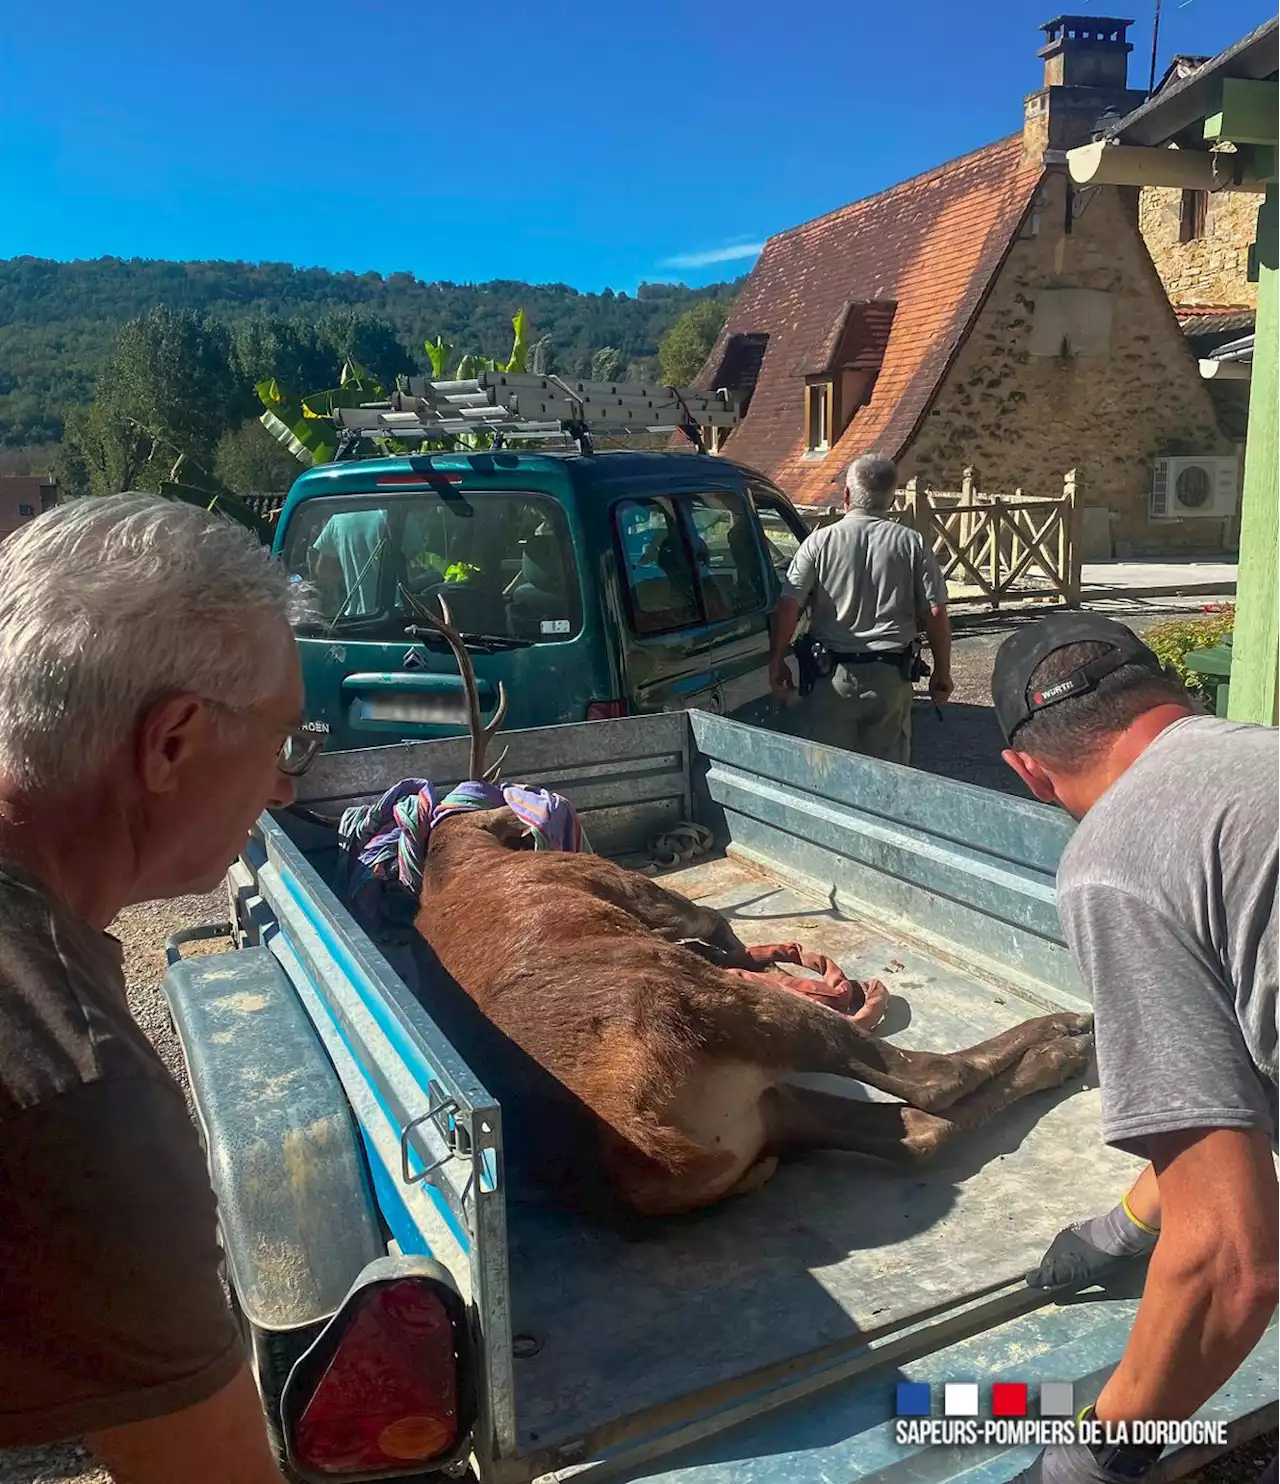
x=812, y=661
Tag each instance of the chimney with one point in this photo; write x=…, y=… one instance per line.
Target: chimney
x=1086, y=74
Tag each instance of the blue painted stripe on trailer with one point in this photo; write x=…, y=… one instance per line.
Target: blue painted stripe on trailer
x=386, y=1182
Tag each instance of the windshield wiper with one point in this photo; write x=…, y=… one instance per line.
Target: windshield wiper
x=486, y=643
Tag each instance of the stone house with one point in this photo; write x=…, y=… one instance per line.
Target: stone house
x=23, y=497
x=988, y=313
x=1200, y=240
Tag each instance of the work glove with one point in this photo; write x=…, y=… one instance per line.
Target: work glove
x=1083, y=1253
x=1074, y=1463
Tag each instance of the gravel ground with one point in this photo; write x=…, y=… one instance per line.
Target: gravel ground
x=965, y=745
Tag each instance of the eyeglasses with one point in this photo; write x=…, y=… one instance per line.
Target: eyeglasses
x=299, y=748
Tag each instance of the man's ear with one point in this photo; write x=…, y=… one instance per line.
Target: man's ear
x=167, y=735
x=1032, y=774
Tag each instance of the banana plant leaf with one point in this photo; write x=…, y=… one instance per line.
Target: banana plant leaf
x=520, y=350
x=308, y=438
x=438, y=352
x=222, y=501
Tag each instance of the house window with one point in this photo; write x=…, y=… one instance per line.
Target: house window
x=818, y=416
x=26, y=512
x=1192, y=214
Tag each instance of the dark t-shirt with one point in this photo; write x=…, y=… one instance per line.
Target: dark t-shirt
x=111, y=1308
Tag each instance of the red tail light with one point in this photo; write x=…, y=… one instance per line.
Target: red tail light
x=606, y=710
x=389, y=1396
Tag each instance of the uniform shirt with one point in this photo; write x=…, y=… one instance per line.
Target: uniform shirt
x=111, y=1306
x=1167, y=894
x=873, y=581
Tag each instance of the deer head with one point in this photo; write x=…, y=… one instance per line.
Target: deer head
x=480, y=733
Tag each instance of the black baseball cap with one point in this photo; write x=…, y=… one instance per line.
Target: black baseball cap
x=1019, y=656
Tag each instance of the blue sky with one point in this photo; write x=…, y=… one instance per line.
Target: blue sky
x=594, y=145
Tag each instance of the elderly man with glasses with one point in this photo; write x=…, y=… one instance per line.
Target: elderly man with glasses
x=150, y=709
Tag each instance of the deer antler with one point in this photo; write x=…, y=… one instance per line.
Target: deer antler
x=480, y=733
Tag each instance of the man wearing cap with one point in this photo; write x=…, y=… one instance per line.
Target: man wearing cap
x=874, y=584
x=1167, y=896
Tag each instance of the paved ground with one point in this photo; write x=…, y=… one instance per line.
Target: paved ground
x=965, y=745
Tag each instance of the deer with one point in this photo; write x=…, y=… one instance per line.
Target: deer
x=646, y=1012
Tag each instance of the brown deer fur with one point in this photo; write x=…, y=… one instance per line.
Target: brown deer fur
x=682, y=1063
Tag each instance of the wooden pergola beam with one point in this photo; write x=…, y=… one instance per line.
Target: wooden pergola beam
x=1213, y=370
x=1105, y=163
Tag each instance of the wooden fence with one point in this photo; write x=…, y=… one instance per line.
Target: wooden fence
x=996, y=548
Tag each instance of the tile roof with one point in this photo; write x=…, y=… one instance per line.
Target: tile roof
x=929, y=246
x=1197, y=320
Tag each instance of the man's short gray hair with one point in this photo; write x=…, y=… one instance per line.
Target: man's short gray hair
x=871, y=482
x=106, y=606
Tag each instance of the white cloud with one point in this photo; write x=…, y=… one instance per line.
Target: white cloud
x=728, y=254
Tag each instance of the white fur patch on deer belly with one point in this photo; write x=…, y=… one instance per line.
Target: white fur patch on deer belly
x=720, y=1108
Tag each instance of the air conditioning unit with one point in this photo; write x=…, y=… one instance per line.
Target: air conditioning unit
x=1193, y=488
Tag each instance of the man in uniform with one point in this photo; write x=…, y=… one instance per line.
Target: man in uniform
x=1167, y=896
x=874, y=584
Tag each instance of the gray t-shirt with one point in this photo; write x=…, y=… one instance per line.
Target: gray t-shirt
x=1167, y=894
x=873, y=580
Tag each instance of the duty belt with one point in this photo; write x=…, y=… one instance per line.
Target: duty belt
x=870, y=657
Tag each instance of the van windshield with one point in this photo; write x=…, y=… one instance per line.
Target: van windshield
x=503, y=562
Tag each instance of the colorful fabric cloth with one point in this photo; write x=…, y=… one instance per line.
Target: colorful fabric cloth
x=382, y=847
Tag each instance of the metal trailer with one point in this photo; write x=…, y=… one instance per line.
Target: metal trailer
x=761, y=1340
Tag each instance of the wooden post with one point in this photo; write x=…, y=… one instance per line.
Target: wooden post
x=911, y=499
x=1255, y=683
x=1069, y=537
x=997, y=521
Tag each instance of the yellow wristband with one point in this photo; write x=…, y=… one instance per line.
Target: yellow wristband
x=1151, y=1231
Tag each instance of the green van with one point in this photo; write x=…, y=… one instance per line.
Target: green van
x=592, y=585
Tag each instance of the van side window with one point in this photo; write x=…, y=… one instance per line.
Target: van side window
x=656, y=566
x=730, y=572
x=781, y=542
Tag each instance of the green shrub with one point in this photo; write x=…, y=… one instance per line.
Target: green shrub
x=1172, y=642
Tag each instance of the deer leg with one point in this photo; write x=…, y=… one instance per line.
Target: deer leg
x=675, y=918
x=800, y=1118
x=788, y=1032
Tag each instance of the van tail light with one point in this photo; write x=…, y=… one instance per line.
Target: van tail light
x=606, y=710
x=386, y=1388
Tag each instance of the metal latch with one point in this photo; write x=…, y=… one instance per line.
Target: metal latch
x=439, y=1113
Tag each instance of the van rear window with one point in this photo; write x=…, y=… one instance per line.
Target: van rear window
x=503, y=562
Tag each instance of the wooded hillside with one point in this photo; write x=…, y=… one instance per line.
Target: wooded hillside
x=60, y=321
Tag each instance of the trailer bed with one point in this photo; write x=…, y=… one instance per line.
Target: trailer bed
x=608, y=1350
x=835, y=1246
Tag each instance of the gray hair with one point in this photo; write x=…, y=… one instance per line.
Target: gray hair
x=107, y=605
x=871, y=482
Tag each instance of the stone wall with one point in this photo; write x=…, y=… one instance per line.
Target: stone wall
x=1213, y=269
x=1126, y=391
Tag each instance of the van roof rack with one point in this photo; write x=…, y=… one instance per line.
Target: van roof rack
x=521, y=407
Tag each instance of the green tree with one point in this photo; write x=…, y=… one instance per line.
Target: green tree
x=249, y=461
x=266, y=346
x=609, y=364
x=684, y=349
x=168, y=389
x=363, y=340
